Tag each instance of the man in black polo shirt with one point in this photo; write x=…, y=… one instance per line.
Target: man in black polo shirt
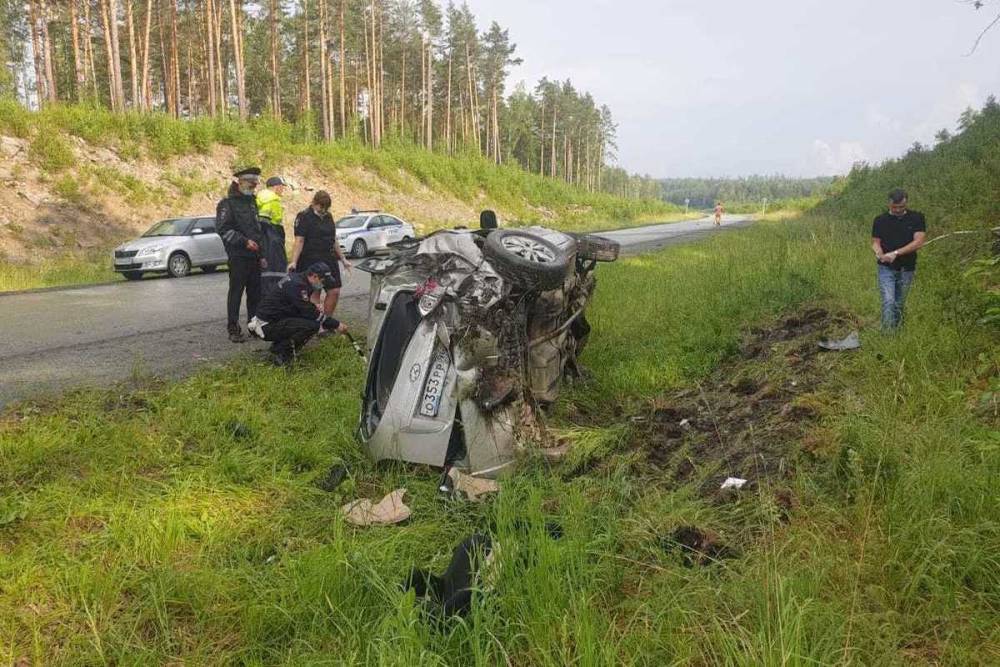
x=896, y=237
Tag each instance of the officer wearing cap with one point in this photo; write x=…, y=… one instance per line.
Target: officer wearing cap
x=287, y=316
x=272, y=217
x=236, y=221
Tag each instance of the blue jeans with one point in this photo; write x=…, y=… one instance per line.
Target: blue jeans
x=893, y=285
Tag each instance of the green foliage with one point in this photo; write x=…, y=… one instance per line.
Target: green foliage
x=50, y=151
x=68, y=188
x=747, y=194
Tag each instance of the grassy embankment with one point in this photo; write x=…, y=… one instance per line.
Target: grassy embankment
x=517, y=194
x=138, y=528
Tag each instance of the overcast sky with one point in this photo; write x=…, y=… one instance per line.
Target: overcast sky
x=735, y=87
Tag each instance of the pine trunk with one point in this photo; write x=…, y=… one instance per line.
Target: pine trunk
x=343, y=81
x=555, y=114
x=241, y=88
x=324, y=64
x=117, y=59
x=306, y=95
x=175, y=62
x=78, y=64
x=275, y=82
x=447, y=111
x=133, y=57
x=210, y=56
x=36, y=51
x=50, y=72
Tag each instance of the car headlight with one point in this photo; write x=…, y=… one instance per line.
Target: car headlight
x=150, y=250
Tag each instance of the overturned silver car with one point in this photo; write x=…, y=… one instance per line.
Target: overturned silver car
x=470, y=333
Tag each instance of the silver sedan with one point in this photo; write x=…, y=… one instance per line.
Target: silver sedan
x=174, y=246
x=363, y=233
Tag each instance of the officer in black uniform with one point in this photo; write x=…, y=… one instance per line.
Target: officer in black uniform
x=287, y=316
x=237, y=223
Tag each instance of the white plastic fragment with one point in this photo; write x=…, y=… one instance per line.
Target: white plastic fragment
x=733, y=483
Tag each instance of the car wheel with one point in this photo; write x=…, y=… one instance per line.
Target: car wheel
x=178, y=265
x=211, y=268
x=359, y=249
x=132, y=275
x=526, y=259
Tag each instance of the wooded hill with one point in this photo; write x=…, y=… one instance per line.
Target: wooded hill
x=371, y=69
x=751, y=190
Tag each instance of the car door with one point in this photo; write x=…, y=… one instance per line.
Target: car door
x=394, y=228
x=206, y=245
x=380, y=232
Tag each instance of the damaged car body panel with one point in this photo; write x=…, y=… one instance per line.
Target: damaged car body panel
x=469, y=333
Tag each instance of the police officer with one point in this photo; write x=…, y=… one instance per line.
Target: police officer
x=236, y=221
x=288, y=318
x=272, y=217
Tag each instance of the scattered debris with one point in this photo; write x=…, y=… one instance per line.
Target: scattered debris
x=472, y=488
x=733, y=483
x=851, y=342
x=450, y=594
x=389, y=510
x=333, y=478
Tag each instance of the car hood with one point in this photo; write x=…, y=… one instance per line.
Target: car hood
x=147, y=241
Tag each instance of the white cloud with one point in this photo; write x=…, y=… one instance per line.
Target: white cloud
x=837, y=158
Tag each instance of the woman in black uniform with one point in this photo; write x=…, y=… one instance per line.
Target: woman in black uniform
x=316, y=241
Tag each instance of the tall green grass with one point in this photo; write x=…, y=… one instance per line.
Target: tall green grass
x=146, y=528
x=71, y=270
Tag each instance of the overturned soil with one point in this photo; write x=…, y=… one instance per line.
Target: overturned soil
x=748, y=419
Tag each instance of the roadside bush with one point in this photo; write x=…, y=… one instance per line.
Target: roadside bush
x=50, y=151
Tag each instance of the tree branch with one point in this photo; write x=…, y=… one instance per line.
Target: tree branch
x=975, y=45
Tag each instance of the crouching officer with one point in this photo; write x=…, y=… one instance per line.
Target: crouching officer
x=288, y=317
x=236, y=221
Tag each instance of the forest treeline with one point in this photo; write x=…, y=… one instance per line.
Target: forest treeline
x=750, y=190
x=373, y=70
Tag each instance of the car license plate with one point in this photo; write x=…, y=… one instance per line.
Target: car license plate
x=430, y=400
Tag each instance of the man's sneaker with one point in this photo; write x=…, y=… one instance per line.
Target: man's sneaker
x=237, y=336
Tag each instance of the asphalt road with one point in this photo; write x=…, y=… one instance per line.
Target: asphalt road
x=58, y=339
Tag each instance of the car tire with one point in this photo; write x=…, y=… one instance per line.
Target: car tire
x=132, y=275
x=178, y=265
x=359, y=249
x=526, y=259
x=211, y=268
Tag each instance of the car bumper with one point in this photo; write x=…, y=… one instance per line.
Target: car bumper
x=140, y=264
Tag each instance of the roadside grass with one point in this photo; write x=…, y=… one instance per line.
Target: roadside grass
x=181, y=522
x=85, y=268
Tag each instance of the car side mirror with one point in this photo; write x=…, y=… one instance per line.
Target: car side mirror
x=195, y=232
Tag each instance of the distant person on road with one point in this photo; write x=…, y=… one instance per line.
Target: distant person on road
x=316, y=241
x=719, y=210
x=270, y=210
x=236, y=221
x=287, y=316
x=896, y=237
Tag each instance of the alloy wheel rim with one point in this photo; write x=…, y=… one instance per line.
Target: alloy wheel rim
x=178, y=265
x=528, y=248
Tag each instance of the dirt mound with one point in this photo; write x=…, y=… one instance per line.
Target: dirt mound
x=746, y=419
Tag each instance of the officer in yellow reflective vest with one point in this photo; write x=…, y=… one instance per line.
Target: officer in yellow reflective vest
x=272, y=215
